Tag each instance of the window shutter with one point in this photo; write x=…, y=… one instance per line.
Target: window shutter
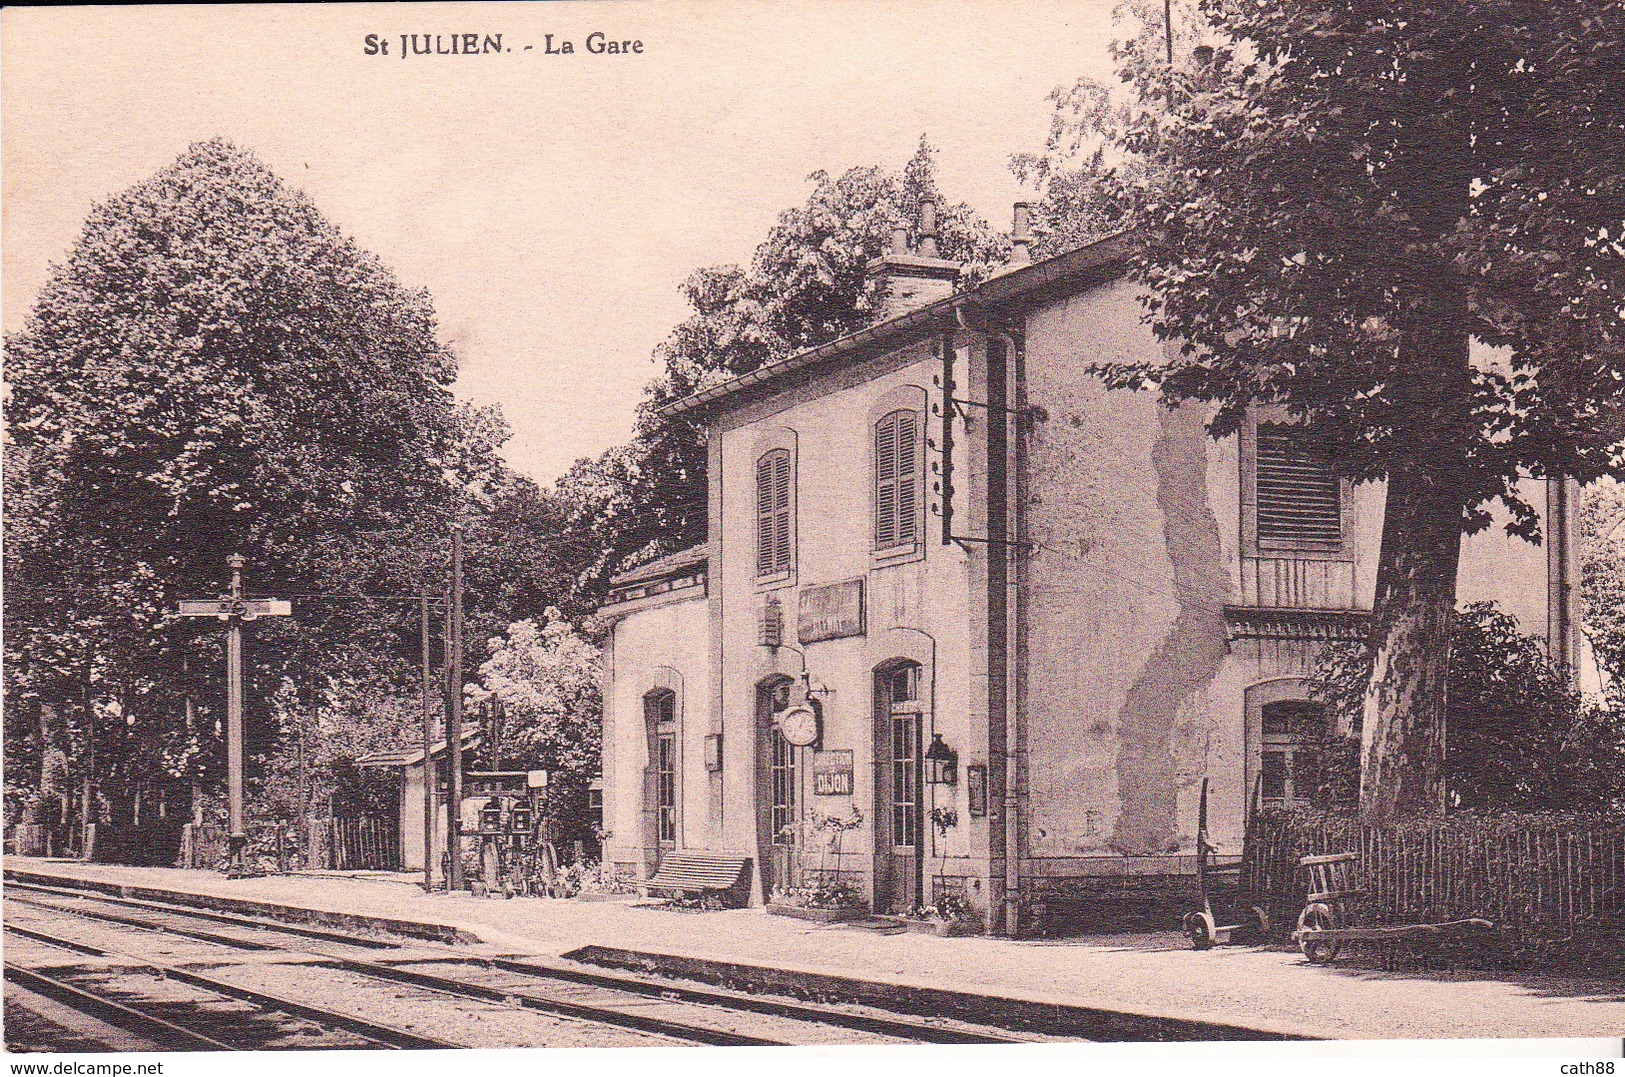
x=886, y=482
x=897, y=498
x=907, y=476
x=773, y=513
x=764, y=516
x=1299, y=496
x=781, y=509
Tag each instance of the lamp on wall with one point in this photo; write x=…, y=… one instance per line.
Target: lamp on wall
x=941, y=763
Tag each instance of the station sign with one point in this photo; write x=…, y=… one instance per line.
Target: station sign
x=832, y=773
x=831, y=611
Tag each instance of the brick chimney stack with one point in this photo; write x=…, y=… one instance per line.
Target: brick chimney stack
x=1021, y=239
x=1021, y=235
x=908, y=279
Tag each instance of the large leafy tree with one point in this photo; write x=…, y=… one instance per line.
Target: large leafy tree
x=216, y=368
x=546, y=676
x=805, y=286
x=1337, y=200
x=1522, y=738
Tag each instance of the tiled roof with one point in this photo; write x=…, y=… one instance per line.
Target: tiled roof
x=1031, y=282
x=670, y=565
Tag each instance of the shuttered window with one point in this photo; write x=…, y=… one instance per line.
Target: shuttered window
x=1299, y=497
x=773, y=513
x=897, y=473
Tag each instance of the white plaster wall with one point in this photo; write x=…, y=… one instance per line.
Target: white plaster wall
x=650, y=646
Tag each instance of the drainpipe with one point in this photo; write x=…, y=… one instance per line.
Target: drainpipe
x=1012, y=627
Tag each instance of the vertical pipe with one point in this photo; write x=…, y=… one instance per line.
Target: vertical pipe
x=497, y=715
x=454, y=725
x=91, y=812
x=1014, y=455
x=998, y=612
x=237, y=865
x=303, y=815
x=1561, y=570
x=428, y=750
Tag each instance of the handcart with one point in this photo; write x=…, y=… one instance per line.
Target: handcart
x=1335, y=902
x=1241, y=923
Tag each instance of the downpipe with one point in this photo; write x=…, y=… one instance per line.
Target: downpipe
x=1013, y=457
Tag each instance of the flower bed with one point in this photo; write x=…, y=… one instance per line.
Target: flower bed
x=816, y=915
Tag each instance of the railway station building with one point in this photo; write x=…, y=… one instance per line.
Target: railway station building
x=967, y=621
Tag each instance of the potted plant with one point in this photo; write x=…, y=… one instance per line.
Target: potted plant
x=824, y=904
x=833, y=898
x=596, y=881
x=951, y=914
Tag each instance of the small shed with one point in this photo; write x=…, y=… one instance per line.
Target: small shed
x=409, y=762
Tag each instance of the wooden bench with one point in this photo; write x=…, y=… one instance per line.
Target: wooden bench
x=722, y=874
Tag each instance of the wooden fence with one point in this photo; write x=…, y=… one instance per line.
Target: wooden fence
x=363, y=843
x=1544, y=879
x=336, y=844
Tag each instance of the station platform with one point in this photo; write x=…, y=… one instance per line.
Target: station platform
x=1232, y=992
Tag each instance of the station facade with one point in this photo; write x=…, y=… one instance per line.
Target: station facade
x=1030, y=615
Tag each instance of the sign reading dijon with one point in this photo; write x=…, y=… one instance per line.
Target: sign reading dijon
x=831, y=611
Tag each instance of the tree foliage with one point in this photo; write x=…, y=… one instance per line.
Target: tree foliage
x=1520, y=736
x=216, y=368
x=1602, y=574
x=546, y=677
x=1335, y=201
x=804, y=287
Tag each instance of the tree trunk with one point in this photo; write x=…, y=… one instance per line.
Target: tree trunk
x=1403, y=732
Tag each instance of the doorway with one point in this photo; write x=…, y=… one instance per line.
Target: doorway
x=900, y=720
x=780, y=775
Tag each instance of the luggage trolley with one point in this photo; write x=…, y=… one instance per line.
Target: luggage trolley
x=1202, y=925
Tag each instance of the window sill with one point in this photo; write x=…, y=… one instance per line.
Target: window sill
x=1286, y=552
x=776, y=581
x=897, y=555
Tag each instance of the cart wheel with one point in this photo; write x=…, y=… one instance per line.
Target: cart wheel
x=1200, y=929
x=1261, y=923
x=1317, y=918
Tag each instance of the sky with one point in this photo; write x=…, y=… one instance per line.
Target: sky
x=551, y=204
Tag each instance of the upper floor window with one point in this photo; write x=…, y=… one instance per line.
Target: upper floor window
x=1299, y=496
x=774, y=483
x=897, y=480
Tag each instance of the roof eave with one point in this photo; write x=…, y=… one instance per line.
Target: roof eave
x=1028, y=282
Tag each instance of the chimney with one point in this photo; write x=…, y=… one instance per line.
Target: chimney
x=928, y=229
x=1021, y=239
x=1021, y=236
x=911, y=280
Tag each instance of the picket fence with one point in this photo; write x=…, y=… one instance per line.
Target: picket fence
x=1547, y=878
x=363, y=843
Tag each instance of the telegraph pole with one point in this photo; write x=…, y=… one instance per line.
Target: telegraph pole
x=454, y=715
x=428, y=753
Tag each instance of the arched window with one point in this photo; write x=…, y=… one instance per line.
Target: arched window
x=660, y=712
x=774, y=485
x=897, y=480
x=1293, y=736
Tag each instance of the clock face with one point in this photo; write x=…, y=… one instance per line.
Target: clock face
x=799, y=725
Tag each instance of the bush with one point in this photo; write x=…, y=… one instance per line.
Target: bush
x=1518, y=736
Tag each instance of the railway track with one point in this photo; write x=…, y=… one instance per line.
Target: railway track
x=652, y=1009
x=222, y=1017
